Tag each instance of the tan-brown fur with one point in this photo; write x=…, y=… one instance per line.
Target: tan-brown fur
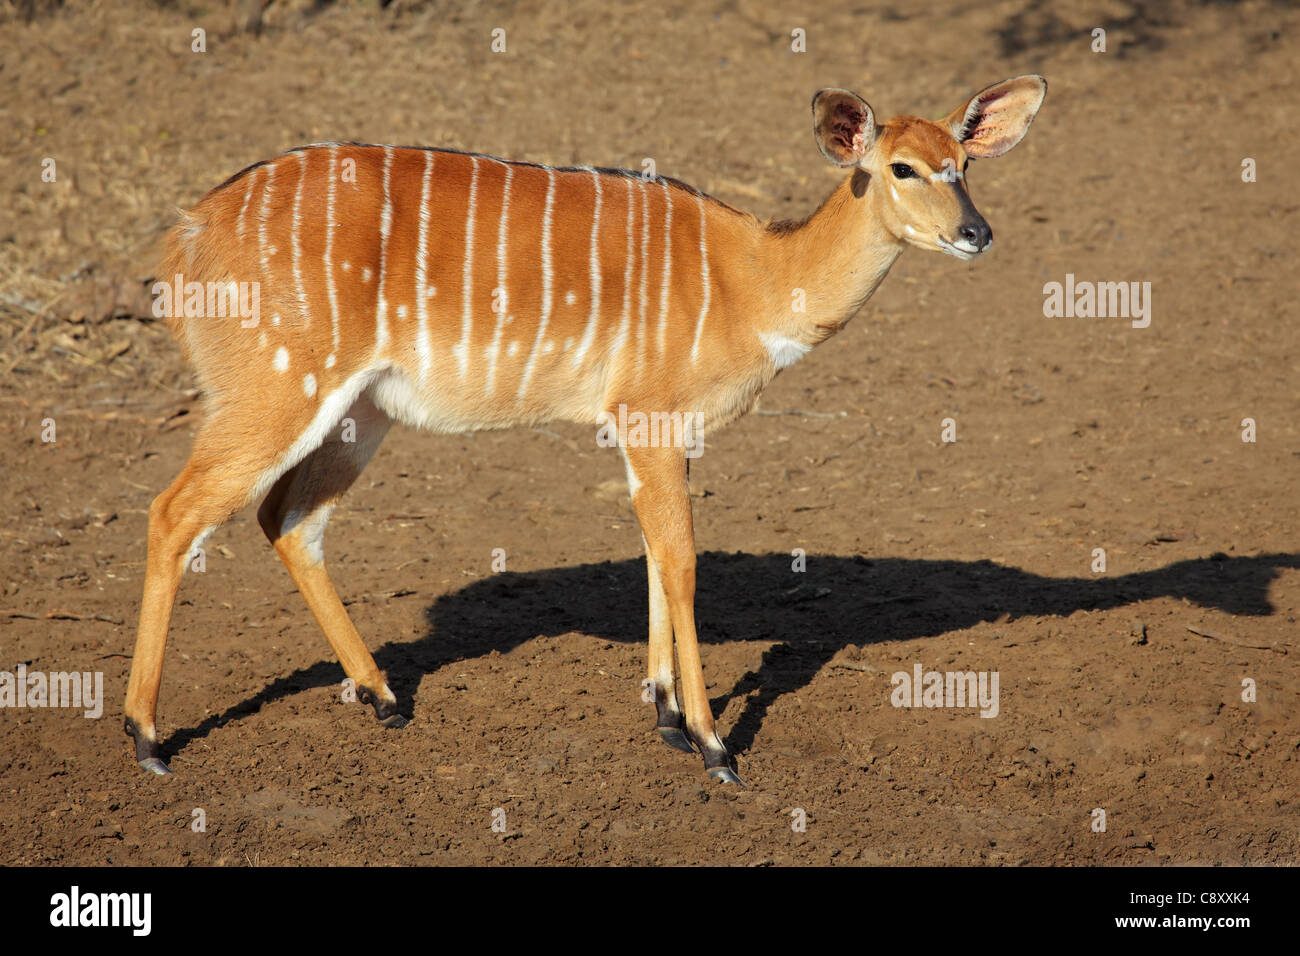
x=272, y=423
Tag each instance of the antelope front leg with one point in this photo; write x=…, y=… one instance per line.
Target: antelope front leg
x=661, y=497
x=671, y=722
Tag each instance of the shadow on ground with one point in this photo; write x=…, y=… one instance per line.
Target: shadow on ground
x=812, y=615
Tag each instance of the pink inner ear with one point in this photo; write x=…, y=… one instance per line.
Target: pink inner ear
x=978, y=115
x=848, y=128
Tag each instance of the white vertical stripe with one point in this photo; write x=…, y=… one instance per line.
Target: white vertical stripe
x=385, y=226
x=422, y=348
x=467, y=273
x=248, y=194
x=295, y=244
x=594, y=267
x=704, y=281
x=261, y=226
x=668, y=266
x=645, y=268
x=494, y=349
x=330, y=292
x=629, y=257
x=546, y=283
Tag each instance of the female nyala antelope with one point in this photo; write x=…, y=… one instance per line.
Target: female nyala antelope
x=455, y=292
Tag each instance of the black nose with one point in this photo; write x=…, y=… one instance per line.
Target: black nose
x=977, y=234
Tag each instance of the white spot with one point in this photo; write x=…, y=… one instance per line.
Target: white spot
x=401, y=311
x=430, y=292
x=275, y=318
x=548, y=348
x=512, y=348
x=261, y=340
x=570, y=298
x=347, y=267
x=309, y=384
x=568, y=343
x=784, y=350
x=281, y=361
x=329, y=362
x=365, y=274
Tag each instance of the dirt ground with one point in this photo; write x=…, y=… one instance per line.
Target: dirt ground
x=1073, y=434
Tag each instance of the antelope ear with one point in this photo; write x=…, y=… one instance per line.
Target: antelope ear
x=996, y=118
x=844, y=126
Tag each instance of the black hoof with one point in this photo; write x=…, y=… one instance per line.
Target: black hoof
x=720, y=764
x=725, y=775
x=385, y=711
x=676, y=738
x=147, y=754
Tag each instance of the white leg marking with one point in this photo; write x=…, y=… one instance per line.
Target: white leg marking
x=704, y=282
x=327, y=416
x=589, y=335
x=467, y=274
x=546, y=282
x=633, y=482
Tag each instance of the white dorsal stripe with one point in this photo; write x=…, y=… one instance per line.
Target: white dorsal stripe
x=704, y=282
x=546, y=283
x=385, y=226
x=668, y=267
x=422, y=349
x=467, y=274
x=330, y=292
x=295, y=243
x=494, y=350
x=593, y=317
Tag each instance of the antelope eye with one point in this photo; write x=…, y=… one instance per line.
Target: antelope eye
x=902, y=170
